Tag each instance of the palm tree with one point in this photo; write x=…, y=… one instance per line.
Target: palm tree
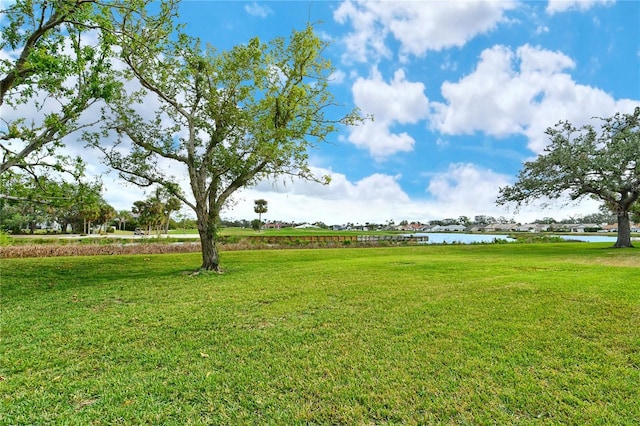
x=124, y=216
x=260, y=207
x=107, y=213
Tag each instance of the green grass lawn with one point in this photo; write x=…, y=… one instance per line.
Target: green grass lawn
x=479, y=334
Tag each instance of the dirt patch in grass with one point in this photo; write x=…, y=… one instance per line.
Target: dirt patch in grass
x=632, y=262
x=616, y=257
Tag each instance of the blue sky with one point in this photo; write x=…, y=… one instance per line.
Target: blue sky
x=461, y=91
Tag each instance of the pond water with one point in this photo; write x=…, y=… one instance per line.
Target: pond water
x=589, y=238
x=458, y=238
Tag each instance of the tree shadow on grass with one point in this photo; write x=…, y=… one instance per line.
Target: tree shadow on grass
x=20, y=276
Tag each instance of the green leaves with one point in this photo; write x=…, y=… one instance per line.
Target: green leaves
x=583, y=162
x=58, y=67
x=226, y=119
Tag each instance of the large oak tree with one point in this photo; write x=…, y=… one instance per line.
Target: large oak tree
x=600, y=162
x=225, y=119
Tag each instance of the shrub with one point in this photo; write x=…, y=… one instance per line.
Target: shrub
x=101, y=248
x=4, y=238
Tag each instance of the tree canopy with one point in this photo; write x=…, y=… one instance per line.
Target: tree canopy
x=224, y=119
x=599, y=162
x=57, y=63
x=49, y=199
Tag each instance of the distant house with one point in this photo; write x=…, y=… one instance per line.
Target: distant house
x=306, y=226
x=527, y=227
x=272, y=225
x=448, y=228
x=533, y=227
x=415, y=226
x=583, y=227
x=501, y=227
x=49, y=226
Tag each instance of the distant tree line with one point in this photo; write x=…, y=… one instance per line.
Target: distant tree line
x=81, y=209
x=479, y=220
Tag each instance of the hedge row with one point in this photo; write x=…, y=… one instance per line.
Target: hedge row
x=225, y=243
x=51, y=250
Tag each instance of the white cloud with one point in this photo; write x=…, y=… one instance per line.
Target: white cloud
x=375, y=187
x=419, y=26
x=337, y=77
x=121, y=195
x=557, y=6
x=542, y=29
x=467, y=189
x=378, y=139
x=400, y=100
x=255, y=9
x=463, y=189
x=442, y=142
x=397, y=102
x=368, y=38
x=520, y=92
x=377, y=197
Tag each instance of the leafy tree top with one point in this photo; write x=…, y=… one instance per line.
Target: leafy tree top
x=602, y=163
x=225, y=119
x=57, y=62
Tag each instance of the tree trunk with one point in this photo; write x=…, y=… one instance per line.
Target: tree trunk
x=206, y=215
x=210, y=256
x=624, y=230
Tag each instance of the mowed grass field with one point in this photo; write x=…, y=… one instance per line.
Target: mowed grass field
x=480, y=334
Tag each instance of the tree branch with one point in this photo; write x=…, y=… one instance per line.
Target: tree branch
x=20, y=70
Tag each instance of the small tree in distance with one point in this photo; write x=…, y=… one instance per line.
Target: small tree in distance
x=260, y=207
x=604, y=165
